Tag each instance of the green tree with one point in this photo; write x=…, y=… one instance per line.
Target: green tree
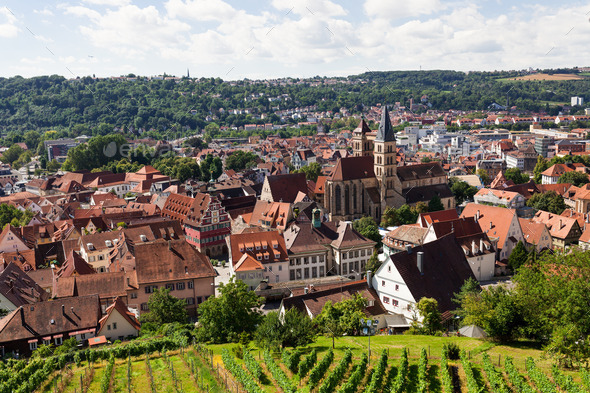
x=296, y=329
x=435, y=204
x=516, y=176
x=483, y=175
x=367, y=227
x=53, y=166
x=12, y=154
x=574, y=177
x=235, y=311
x=312, y=171
x=518, y=256
x=373, y=264
x=431, y=316
x=549, y=201
x=541, y=166
x=240, y=160
x=344, y=317
x=11, y=215
x=461, y=190
x=211, y=167
x=164, y=308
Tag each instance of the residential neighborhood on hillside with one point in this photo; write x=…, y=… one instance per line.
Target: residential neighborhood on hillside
x=395, y=219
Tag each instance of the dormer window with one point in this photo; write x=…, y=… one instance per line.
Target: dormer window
x=277, y=255
x=259, y=257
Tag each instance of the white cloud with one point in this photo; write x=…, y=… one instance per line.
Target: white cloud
x=399, y=9
x=112, y=3
x=8, y=28
x=44, y=11
x=322, y=8
x=200, y=10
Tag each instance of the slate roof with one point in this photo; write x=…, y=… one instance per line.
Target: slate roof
x=385, y=132
x=445, y=270
x=426, y=193
x=420, y=171
x=74, y=265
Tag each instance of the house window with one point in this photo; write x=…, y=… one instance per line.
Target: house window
x=306, y=273
x=321, y=258
x=395, y=303
x=396, y=287
x=83, y=336
x=108, y=327
x=133, y=295
x=46, y=342
x=382, y=283
x=199, y=299
x=389, y=269
x=33, y=345
x=179, y=286
x=280, y=268
x=292, y=275
x=190, y=285
x=58, y=341
x=385, y=300
x=362, y=253
x=144, y=307
x=314, y=259
x=150, y=288
x=314, y=272
x=190, y=301
x=305, y=261
x=114, y=325
x=321, y=271
x=170, y=287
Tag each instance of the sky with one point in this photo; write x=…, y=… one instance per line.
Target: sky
x=234, y=39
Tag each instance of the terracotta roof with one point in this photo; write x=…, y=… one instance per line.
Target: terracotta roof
x=119, y=306
x=25, y=260
x=405, y=234
x=352, y=168
x=284, y=188
x=494, y=221
x=270, y=214
x=320, y=185
x=425, y=219
x=50, y=318
x=161, y=261
x=532, y=231
x=460, y=227
x=500, y=194
x=560, y=188
x=247, y=263
x=582, y=218
x=19, y=288
x=74, y=265
x=148, y=169
x=557, y=170
x=266, y=247
x=105, y=285
x=559, y=226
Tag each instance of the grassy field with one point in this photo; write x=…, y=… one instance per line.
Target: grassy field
x=191, y=372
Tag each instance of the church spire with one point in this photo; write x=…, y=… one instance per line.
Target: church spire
x=385, y=132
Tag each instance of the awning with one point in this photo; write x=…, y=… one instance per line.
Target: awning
x=32, y=341
x=46, y=338
x=58, y=336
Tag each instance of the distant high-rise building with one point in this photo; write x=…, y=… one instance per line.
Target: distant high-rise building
x=577, y=101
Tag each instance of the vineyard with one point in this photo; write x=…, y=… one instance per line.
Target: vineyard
x=165, y=365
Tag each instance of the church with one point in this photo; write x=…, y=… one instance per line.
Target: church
x=371, y=180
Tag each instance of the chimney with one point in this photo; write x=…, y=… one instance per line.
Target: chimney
x=481, y=245
x=128, y=280
x=369, y=278
x=560, y=224
x=491, y=225
x=169, y=245
x=306, y=290
x=477, y=216
x=409, y=248
x=420, y=261
x=72, y=310
x=63, y=309
x=473, y=251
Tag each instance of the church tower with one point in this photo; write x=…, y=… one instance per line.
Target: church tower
x=361, y=146
x=385, y=161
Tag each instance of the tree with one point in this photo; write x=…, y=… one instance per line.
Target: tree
x=312, y=171
x=164, y=308
x=516, y=176
x=435, y=204
x=405, y=214
x=574, y=177
x=344, y=317
x=462, y=190
x=11, y=215
x=223, y=318
x=373, y=264
x=431, y=317
x=12, y=154
x=367, y=227
x=211, y=167
x=240, y=160
x=549, y=201
x=483, y=175
x=518, y=256
x=540, y=167
x=295, y=329
x=53, y=166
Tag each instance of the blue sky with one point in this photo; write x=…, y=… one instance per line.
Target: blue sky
x=265, y=39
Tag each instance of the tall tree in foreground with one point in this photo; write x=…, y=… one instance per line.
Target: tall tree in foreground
x=225, y=317
x=164, y=308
